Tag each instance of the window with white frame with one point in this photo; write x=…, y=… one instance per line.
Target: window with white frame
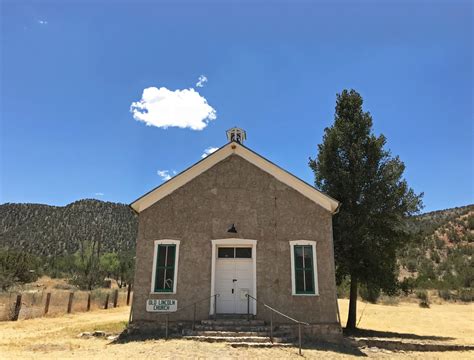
x=304, y=275
x=165, y=266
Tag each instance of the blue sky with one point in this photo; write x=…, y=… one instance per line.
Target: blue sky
x=71, y=70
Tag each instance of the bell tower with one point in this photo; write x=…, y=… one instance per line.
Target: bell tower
x=236, y=134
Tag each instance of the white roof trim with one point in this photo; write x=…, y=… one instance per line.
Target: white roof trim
x=232, y=148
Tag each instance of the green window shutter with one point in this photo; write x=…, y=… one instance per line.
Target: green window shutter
x=304, y=269
x=165, y=268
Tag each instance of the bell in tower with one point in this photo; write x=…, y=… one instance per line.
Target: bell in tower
x=236, y=134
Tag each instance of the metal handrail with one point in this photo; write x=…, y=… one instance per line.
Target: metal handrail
x=215, y=296
x=271, y=318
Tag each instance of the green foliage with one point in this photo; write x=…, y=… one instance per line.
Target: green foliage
x=422, y=295
x=369, y=293
x=407, y=286
x=17, y=268
x=343, y=288
x=445, y=294
x=353, y=166
x=470, y=222
x=466, y=295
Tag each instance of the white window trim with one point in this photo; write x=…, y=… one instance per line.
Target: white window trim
x=315, y=266
x=233, y=242
x=155, y=259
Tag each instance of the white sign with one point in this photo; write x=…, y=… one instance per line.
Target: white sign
x=161, y=305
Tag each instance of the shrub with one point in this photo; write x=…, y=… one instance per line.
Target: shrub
x=445, y=294
x=422, y=295
x=343, y=289
x=466, y=295
x=369, y=293
x=407, y=285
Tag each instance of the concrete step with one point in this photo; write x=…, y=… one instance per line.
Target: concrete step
x=234, y=322
x=235, y=339
x=260, y=344
x=226, y=333
x=232, y=328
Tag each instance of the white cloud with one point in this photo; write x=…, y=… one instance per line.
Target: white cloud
x=209, y=151
x=164, y=108
x=99, y=194
x=201, y=81
x=166, y=174
x=43, y=22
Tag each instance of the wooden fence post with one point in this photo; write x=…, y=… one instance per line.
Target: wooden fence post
x=128, y=293
x=115, y=298
x=106, y=305
x=16, y=312
x=46, y=305
x=69, y=303
x=89, y=302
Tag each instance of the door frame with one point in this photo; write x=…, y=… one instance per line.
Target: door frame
x=234, y=242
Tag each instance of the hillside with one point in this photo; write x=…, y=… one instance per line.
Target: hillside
x=441, y=255
x=45, y=230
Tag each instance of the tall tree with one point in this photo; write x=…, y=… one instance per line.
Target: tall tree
x=353, y=167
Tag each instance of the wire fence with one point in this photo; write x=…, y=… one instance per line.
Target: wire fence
x=29, y=305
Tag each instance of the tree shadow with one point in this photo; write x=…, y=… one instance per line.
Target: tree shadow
x=367, y=333
x=343, y=347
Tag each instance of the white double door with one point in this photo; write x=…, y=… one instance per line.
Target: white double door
x=234, y=279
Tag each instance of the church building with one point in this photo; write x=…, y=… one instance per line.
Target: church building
x=230, y=235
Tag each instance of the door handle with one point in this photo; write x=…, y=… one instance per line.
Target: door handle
x=234, y=280
x=232, y=291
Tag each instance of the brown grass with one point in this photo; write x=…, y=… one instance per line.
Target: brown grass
x=56, y=338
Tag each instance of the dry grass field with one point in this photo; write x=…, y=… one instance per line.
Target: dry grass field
x=57, y=338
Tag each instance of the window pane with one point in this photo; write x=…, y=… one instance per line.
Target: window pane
x=308, y=257
x=171, y=255
x=159, y=280
x=161, y=255
x=299, y=281
x=298, y=257
x=243, y=253
x=169, y=279
x=223, y=252
x=309, y=281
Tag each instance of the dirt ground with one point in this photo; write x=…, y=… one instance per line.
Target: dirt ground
x=57, y=338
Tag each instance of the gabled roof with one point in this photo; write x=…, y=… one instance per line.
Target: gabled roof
x=234, y=148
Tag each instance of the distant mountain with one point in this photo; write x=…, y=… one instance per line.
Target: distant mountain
x=442, y=253
x=58, y=230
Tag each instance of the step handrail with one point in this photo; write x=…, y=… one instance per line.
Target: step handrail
x=299, y=323
x=215, y=296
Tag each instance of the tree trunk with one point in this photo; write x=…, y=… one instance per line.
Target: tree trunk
x=351, y=319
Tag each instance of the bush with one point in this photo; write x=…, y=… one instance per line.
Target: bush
x=466, y=295
x=343, y=289
x=407, y=285
x=445, y=294
x=422, y=295
x=369, y=293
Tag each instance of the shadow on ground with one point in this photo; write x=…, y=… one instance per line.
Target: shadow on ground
x=343, y=348
x=394, y=341
x=395, y=335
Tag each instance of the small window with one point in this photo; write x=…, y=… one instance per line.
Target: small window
x=304, y=270
x=231, y=253
x=243, y=253
x=225, y=252
x=165, y=260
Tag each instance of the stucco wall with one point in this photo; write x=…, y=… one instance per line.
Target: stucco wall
x=262, y=208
